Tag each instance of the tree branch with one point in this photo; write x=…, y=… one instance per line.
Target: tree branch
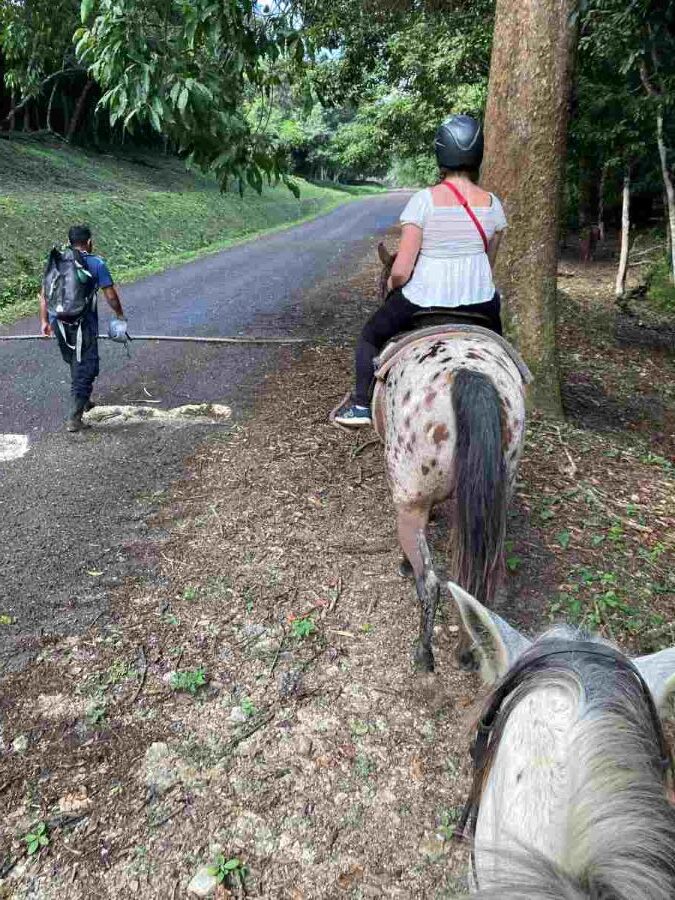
x=15, y=109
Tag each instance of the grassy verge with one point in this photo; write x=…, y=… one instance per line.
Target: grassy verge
x=147, y=213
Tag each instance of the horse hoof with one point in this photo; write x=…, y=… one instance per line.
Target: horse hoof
x=468, y=661
x=424, y=660
x=405, y=570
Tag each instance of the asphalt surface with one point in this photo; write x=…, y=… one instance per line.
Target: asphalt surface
x=74, y=510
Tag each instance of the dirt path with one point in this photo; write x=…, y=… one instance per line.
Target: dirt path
x=72, y=504
x=312, y=753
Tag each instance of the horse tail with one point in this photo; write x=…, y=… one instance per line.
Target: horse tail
x=479, y=485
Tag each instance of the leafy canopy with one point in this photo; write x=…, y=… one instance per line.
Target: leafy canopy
x=184, y=68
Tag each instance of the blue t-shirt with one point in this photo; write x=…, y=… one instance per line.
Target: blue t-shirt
x=99, y=270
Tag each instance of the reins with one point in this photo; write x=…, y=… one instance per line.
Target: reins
x=531, y=660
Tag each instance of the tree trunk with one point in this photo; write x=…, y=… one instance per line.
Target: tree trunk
x=667, y=183
x=620, y=286
x=79, y=109
x=601, y=202
x=50, y=106
x=526, y=126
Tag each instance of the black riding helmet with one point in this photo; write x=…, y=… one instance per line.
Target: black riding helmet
x=459, y=143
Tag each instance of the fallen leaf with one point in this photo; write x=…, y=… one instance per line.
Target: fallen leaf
x=416, y=769
x=348, y=879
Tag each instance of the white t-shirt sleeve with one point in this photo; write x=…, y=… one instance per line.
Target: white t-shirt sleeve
x=498, y=213
x=416, y=209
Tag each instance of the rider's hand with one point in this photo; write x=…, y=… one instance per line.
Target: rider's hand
x=46, y=329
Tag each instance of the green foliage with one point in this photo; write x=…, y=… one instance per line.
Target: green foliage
x=36, y=839
x=302, y=628
x=248, y=707
x=661, y=289
x=191, y=680
x=146, y=213
x=36, y=41
x=231, y=872
x=184, y=69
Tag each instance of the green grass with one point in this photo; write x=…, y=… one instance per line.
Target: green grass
x=146, y=212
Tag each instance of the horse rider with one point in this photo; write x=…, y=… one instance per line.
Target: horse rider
x=449, y=239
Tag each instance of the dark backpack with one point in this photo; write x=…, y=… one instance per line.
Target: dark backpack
x=68, y=286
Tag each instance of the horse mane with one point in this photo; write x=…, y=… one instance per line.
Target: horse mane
x=621, y=826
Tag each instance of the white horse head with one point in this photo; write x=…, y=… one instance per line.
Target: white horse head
x=573, y=801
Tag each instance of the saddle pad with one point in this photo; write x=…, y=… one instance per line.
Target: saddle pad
x=393, y=350
x=389, y=355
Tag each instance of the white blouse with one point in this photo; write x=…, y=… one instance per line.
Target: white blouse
x=452, y=268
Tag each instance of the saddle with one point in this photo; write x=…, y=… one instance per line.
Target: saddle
x=426, y=335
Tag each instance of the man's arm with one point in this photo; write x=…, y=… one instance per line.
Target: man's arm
x=45, y=327
x=113, y=299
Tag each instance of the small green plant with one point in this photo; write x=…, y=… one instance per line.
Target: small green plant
x=366, y=628
x=231, y=872
x=302, y=628
x=191, y=680
x=6, y=619
x=563, y=538
x=95, y=714
x=363, y=766
x=615, y=533
x=248, y=707
x=653, y=459
x=448, y=820
x=513, y=563
x=190, y=593
x=36, y=839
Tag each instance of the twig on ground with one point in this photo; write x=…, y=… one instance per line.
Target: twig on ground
x=250, y=730
x=277, y=655
x=144, y=672
x=336, y=596
x=358, y=450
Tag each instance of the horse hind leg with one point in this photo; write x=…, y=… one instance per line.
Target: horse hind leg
x=411, y=525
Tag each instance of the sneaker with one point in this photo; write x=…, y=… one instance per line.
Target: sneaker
x=74, y=422
x=352, y=415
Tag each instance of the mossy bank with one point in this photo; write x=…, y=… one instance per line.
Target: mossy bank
x=147, y=212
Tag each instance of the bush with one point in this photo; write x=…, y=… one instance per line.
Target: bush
x=660, y=286
x=413, y=171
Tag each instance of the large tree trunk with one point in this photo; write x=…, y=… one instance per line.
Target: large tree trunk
x=79, y=109
x=601, y=202
x=620, y=286
x=526, y=126
x=667, y=184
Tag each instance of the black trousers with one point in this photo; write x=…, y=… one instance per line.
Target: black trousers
x=395, y=315
x=83, y=373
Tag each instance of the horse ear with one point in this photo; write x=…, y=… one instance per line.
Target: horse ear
x=385, y=256
x=498, y=644
x=658, y=670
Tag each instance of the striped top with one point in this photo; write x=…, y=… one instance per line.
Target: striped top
x=452, y=268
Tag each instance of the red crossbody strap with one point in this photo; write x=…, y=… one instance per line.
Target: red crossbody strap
x=465, y=203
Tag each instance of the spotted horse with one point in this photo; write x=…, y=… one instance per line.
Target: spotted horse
x=449, y=406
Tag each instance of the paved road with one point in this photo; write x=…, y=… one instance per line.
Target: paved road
x=77, y=504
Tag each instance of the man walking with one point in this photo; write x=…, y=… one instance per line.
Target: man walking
x=68, y=309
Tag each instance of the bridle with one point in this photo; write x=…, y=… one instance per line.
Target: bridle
x=482, y=749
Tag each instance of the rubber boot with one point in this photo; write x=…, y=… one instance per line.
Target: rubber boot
x=74, y=420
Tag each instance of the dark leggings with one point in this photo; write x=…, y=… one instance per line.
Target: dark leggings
x=395, y=315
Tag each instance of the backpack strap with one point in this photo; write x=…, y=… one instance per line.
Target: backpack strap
x=465, y=203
